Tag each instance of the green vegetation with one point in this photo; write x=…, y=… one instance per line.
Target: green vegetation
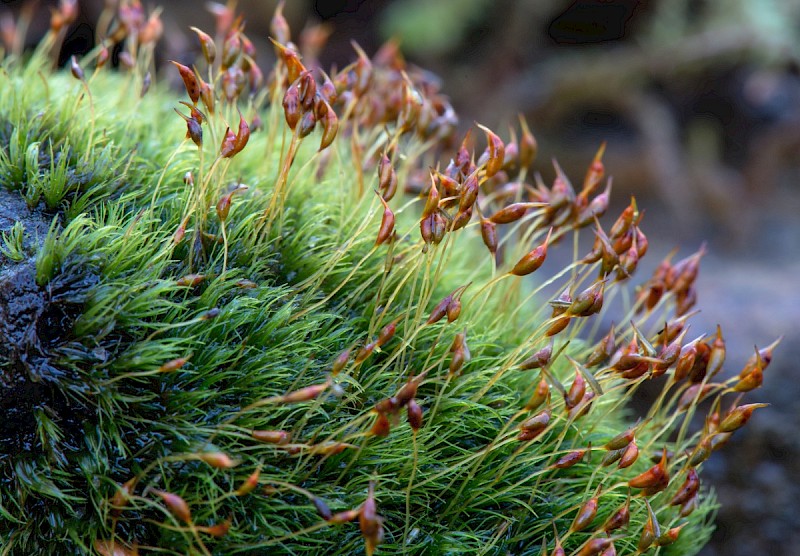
x=224, y=360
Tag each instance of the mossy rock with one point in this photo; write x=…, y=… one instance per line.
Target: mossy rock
x=158, y=351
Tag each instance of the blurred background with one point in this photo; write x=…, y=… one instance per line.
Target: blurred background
x=699, y=101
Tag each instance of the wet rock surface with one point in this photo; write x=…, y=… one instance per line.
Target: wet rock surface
x=35, y=324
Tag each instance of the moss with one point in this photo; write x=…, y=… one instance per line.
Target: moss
x=163, y=330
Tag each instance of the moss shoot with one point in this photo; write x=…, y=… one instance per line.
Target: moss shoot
x=302, y=318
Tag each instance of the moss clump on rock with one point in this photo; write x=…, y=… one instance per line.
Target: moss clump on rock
x=226, y=343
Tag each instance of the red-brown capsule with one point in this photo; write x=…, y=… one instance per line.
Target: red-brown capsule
x=719, y=440
x=207, y=45
x=595, y=547
x=688, y=489
x=224, y=206
x=628, y=261
x=612, y=456
x=381, y=427
x=189, y=81
x=750, y=381
x=330, y=126
x=654, y=479
x=496, y=152
x=602, y=350
x=594, y=174
x=414, y=415
x=489, y=235
x=364, y=352
x=307, y=124
x=596, y=208
x=439, y=312
x=340, y=361
x=701, y=452
x=685, y=362
x=575, y=394
x=231, y=49
x=510, y=213
x=218, y=460
x=624, y=221
x=307, y=88
x=629, y=455
x=649, y=534
x=173, y=365
x=176, y=505
x=271, y=436
x=583, y=406
x=570, y=459
x=586, y=513
x=669, y=353
x=760, y=359
x=533, y=260
x=698, y=370
x=641, y=242
x=689, y=506
x=387, y=223
x=242, y=136
x=739, y=416
x=122, y=496
x=717, y=356
x=670, y=536
x=227, y=147
x=558, y=325
x=619, y=518
x=193, y=129
x=453, y=309
x=249, y=484
x=387, y=178
x=426, y=231
x=589, y=301
x=388, y=405
x=534, y=426
x=461, y=354
x=291, y=106
x=327, y=90
x=432, y=202
x=538, y=359
x=207, y=96
x=304, y=394
x=624, y=242
x=463, y=160
x=386, y=333
x=370, y=522
x=469, y=193
x=408, y=391
x=411, y=108
x=539, y=395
